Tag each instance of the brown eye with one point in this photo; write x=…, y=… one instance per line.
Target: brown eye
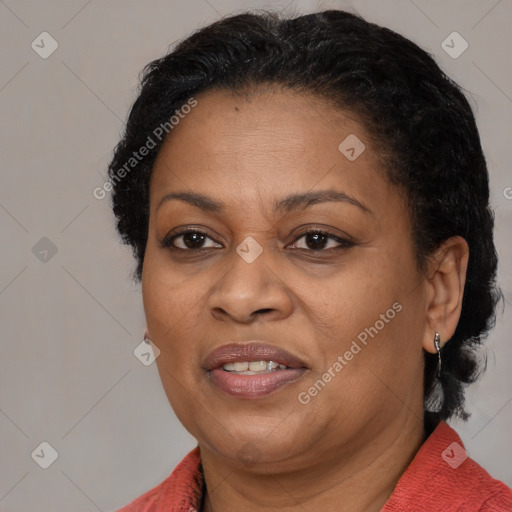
x=189, y=240
x=320, y=240
x=193, y=240
x=316, y=240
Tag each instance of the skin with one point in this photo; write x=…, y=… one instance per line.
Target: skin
x=347, y=447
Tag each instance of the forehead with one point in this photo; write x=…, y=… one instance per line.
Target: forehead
x=268, y=139
x=276, y=116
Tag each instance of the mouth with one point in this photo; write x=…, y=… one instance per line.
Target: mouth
x=252, y=369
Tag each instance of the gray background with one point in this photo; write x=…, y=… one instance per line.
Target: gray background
x=71, y=320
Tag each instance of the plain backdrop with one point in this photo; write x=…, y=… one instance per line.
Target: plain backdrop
x=70, y=315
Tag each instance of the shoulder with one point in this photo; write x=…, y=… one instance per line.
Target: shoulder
x=443, y=477
x=181, y=490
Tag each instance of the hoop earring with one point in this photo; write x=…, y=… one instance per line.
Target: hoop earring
x=437, y=340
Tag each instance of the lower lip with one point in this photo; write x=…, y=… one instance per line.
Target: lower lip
x=254, y=386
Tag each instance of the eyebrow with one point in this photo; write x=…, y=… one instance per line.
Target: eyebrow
x=285, y=205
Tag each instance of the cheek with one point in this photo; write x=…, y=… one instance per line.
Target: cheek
x=369, y=313
x=169, y=294
x=172, y=305
x=350, y=298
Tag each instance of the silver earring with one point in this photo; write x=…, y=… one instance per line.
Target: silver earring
x=146, y=337
x=437, y=340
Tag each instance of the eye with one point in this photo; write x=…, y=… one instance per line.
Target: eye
x=318, y=240
x=312, y=240
x=190, y=239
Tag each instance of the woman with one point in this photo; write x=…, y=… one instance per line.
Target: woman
x=307, y=202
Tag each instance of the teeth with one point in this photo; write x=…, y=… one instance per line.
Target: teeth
x=257, y=366
x=253, y=367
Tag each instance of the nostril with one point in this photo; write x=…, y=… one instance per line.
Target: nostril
x=261, y=311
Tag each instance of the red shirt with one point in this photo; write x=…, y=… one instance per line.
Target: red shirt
x=441, y=478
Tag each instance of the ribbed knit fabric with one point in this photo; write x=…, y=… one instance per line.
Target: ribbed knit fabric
x=180, y=492
x=441, y=478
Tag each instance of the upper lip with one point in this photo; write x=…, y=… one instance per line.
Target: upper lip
x=250, y=351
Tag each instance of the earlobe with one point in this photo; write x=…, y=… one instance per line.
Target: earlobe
x=446, y=279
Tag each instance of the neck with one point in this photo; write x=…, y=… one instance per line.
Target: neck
x=359, y=480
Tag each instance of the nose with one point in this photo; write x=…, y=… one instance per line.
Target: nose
x=250, y=291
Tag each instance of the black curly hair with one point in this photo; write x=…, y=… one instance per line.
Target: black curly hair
x=421, y=123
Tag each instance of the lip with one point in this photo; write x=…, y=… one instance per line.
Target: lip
x=252, y=386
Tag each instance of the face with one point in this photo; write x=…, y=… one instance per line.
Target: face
x=268, y=241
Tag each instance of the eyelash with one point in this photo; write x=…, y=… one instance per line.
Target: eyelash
x=345, y=243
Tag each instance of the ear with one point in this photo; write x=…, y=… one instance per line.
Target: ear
x=446, y=277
